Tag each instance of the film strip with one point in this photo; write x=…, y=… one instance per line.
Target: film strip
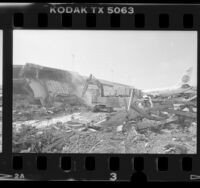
x=20, y=161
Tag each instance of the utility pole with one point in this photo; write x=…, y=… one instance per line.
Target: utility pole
x=73, y=61
x=112, y=74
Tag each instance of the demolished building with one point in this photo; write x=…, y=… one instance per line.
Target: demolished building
x=44, y=84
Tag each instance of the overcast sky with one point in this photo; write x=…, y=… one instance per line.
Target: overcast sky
x=144, y=59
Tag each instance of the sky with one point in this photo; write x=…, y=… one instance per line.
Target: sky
x=143, y=59
x=1, y=57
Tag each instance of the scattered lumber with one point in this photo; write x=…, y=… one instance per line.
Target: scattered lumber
x=145, y=113
x=182, y=113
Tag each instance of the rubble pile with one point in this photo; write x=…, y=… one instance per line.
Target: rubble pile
x=171, y=139
x=31, y=139
x=70, y=137
x=159, y=129
x=38, y=129
x=58, y=120
x=82, y=143
x=24, y=110
x=90, y=132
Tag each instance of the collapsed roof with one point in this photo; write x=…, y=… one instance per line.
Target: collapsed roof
x=44, y=82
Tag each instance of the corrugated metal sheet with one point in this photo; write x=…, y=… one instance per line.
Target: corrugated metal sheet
x=55, y=87
x=122, y=91
x=109, y=91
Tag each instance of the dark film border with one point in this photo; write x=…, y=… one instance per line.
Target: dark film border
x=103, y=166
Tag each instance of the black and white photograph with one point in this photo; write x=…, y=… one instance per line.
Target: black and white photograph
x=1, y=83
x=104, y=91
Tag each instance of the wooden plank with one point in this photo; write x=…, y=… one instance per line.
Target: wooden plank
x=174, y=101
x=182, y=113
x=145, y=113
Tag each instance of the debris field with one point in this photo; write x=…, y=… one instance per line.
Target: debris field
x=56, y=111
x=77, y=129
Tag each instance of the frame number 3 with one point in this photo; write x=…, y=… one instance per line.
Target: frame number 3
x=113, y=176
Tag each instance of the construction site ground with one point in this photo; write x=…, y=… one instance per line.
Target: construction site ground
x=76, y=129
